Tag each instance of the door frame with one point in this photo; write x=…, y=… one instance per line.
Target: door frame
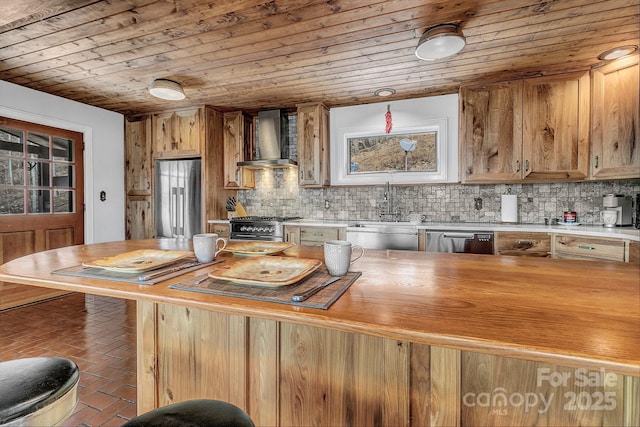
x=87, y=132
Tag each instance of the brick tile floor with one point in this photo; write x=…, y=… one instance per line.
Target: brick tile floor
x=98, y=333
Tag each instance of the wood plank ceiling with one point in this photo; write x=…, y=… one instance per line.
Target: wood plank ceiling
x=258, y=54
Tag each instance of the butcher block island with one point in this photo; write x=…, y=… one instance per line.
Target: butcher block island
x=417, y=339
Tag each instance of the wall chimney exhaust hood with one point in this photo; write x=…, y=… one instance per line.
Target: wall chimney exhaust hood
x=272, y=144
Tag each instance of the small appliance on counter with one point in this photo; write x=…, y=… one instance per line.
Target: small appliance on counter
x=621, y=204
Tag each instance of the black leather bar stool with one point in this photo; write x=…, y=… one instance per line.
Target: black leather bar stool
x=194, y=413
x=37, y=391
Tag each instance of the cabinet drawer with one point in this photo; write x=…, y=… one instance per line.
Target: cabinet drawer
x=523, y=244
x=221, y=230
x=581, y=247
x=319, y=234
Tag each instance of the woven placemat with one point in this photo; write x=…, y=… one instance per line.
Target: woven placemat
x=119, y=276
x=282, y=294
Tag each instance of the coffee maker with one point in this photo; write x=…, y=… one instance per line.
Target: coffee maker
x=620, y=203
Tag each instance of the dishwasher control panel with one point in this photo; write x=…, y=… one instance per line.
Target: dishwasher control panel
x=473, y=242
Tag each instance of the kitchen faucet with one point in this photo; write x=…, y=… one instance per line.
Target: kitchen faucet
x=386, y=211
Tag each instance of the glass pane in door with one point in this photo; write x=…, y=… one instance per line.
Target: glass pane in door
x=62, y=149
x=11, y=201
x=62, y=175
x=39, y=201
x=38, y=174
x=62, y=201
x=11, y=171
x=37, y=146
x=11, y=142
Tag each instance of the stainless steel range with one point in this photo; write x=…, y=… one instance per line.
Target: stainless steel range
x=265, y=228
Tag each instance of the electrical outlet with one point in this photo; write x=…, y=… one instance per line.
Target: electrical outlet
x=326, y=204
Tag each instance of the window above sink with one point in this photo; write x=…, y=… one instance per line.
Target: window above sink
x=421, y=146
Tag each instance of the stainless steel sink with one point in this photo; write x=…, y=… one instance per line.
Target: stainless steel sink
x=384, y=235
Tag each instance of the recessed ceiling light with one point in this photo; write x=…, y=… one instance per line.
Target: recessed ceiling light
x=166, y=89
x=386, y=91
x=617, y=52
x=440, y=41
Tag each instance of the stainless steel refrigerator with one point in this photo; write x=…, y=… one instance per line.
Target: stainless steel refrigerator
x=178, y=207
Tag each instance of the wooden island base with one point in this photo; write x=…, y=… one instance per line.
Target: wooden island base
x=293, y=375
x=419, y=339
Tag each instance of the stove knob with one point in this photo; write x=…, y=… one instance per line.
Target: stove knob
x=243, y=228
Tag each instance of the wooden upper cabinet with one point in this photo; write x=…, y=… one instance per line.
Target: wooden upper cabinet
x=556, y=127
x=491, y=132
x=615, y=120
x=313, y=145
x=532, y=130
x=238, y=147
x=177, y=133
x=138, y=156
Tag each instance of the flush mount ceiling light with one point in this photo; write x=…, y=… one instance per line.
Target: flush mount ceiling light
x=617, y=52
x=440, y=41
x=166, y=89
x=385, y=91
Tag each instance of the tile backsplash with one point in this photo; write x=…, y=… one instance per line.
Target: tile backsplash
x=277, y=193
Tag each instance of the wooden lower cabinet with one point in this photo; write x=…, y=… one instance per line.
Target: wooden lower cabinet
x=289, y=374
x=634, y=253
x=568, y=246
x=222, y=230
x=313, y=236
x=523, y=244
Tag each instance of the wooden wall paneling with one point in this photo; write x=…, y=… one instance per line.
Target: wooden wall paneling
x=147, y=359
x=203, y=355
x=338, y=378
x=445, y=387
x=304, y=392
x=263, y=372
x=631, y=399
x=539, y=395
x=420, y=385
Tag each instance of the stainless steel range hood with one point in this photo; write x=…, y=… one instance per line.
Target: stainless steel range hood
x=272, y=145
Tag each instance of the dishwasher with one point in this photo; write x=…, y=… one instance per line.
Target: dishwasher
x=383, y=236
x=473, y=242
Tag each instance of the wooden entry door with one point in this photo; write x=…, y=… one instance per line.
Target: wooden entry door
x=41, y=195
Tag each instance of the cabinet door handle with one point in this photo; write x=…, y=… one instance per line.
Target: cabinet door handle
x=526, y=165
x=517, y=165
x=523, y=242
x=595, y=162
x=587, y=247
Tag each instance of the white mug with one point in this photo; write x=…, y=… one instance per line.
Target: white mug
x=338, y=256
x=207, y=246
x=609, y=217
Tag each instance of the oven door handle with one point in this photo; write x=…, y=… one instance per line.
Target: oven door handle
x=241, y=235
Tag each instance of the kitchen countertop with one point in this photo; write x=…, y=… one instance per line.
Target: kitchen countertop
x=627, y=232
x=567, y=312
